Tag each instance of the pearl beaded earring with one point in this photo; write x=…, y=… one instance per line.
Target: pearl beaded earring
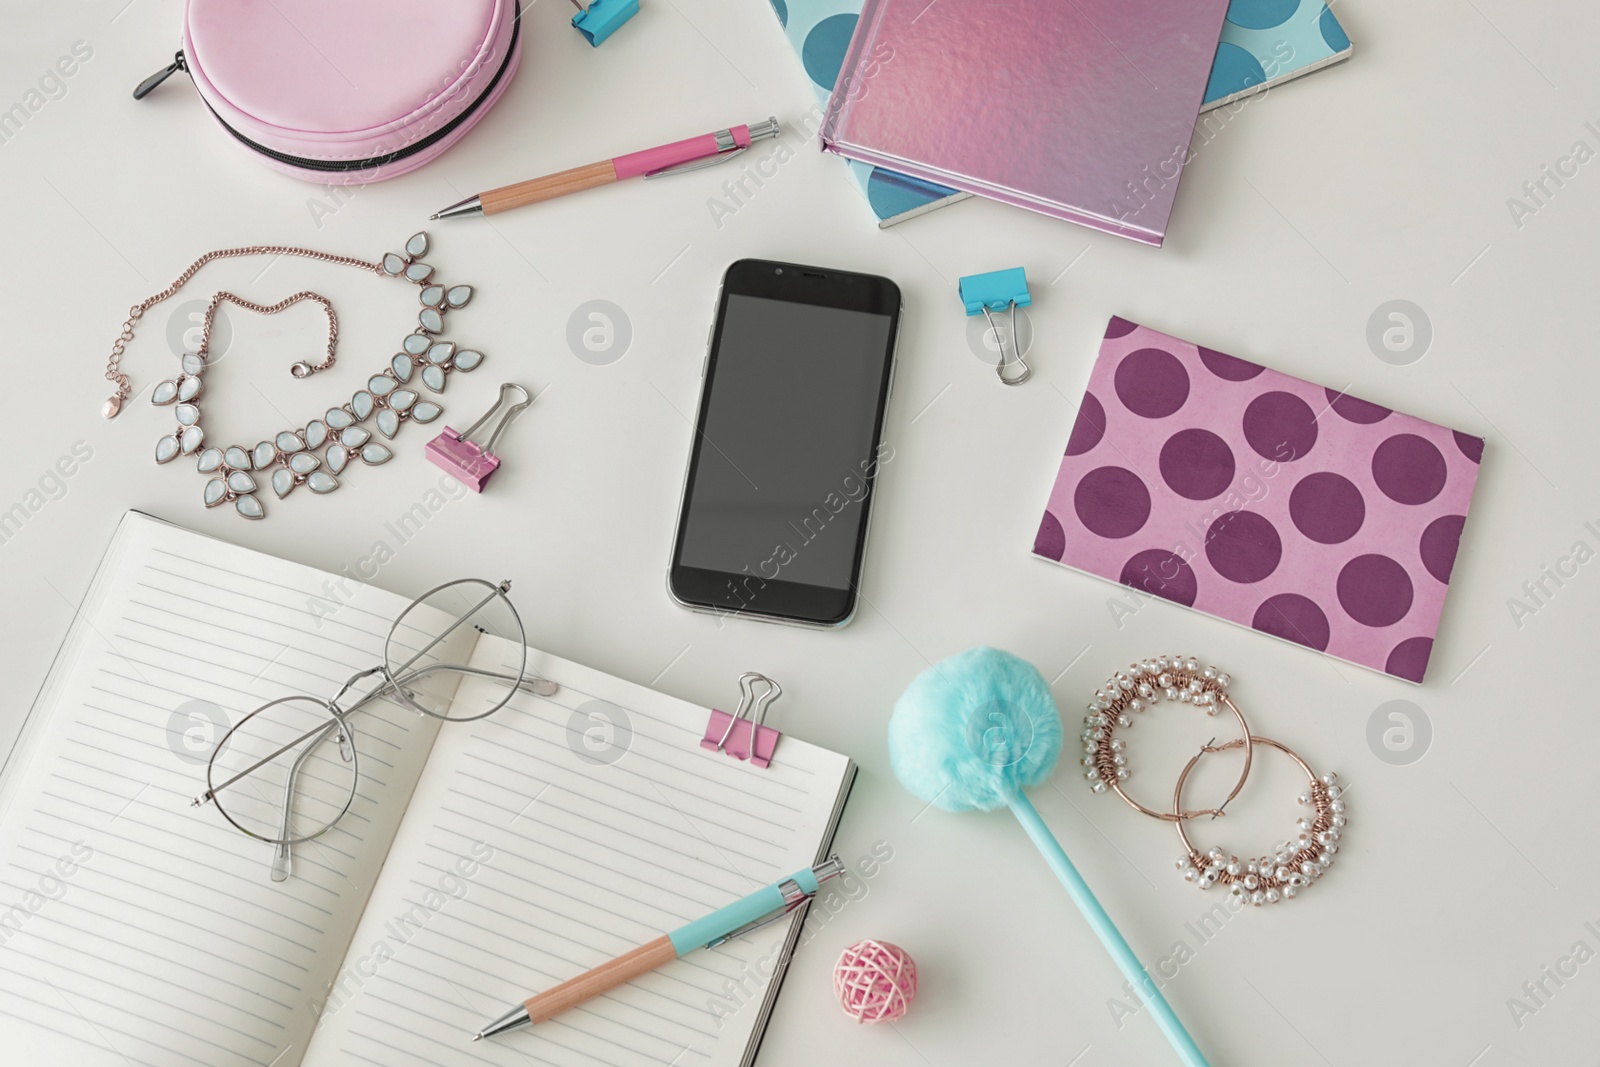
x=1142, y=686
x=1294, y=864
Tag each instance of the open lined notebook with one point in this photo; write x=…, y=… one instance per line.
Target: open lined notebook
x=480, y=863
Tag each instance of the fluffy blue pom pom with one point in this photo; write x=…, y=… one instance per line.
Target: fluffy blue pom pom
x=973, y=731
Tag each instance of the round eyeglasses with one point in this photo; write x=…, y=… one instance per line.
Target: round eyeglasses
x=289, y=771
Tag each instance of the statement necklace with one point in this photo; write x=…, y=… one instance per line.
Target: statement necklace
x=316, y=454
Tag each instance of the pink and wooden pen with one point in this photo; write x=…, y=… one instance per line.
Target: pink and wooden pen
x=703, y=151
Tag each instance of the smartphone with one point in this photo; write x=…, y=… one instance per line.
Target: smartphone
x=788, y=444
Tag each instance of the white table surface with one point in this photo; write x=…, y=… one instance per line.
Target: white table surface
x=1464, y=873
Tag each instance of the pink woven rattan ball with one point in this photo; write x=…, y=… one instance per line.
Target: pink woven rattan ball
x=875, y=981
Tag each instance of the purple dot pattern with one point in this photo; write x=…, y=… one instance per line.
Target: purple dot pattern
x=1229, y=368
x=1409, y=660
x=1112, y=502
x=1152, y=382
x=1409, y=469
x=1327, y=507
x=1196, y=464
x=1089, y=427
x=1439, y=543
x=1051, y=540
x=1280, y=426
x=1299, y=511
x=1294, y=618
x=1356, y=410
x=1161, y=573
x=1243, y=547
x=1375, y=590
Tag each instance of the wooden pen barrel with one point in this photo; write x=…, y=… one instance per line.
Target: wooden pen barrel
x=551, y=185
x=624, y=968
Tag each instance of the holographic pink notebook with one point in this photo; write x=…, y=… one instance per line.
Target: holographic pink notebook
x=1263, y=499
x=1082, y=110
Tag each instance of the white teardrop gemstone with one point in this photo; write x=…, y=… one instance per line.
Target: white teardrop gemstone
x=433, y=377
x=192, y=363
x=402, y=399
x=186, y=414
x=316, y=433
x=388, y=422
x=380, y=385
x=376, y=453
x=283, y=480
x=164, y=393
x=216, y=491
x=441, y=352
x=240, y=482
x=188, y=387
x=426, y=411
x=459, y=295
x=361, y=404
x=191, y=440
x=338, y=456
x=419, y=272
x=289, y=441
x=303, y=463
x=432, y=296
x=430, y=319
x=401, y=365
x=338, y=418
x=417, y=244
x=237, y=458
x=467, y=358
x=249, y=507
x=321, y=482
x=264, y=455
x=166, y=448
x=416, y=343
x=209, y=460
x=354, y=437
x=393, y=263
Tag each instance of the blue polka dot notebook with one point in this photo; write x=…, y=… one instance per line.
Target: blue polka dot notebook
x=820, y=31
x=1268, y=42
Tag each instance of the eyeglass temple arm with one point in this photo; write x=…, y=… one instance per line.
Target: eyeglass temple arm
x=282, y=861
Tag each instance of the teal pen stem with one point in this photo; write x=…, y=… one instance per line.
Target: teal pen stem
x=1107, y=931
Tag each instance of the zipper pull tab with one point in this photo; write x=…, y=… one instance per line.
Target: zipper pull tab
x=143, y=89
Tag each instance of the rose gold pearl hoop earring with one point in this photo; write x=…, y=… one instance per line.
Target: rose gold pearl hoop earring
x=1293, y=864
x=1142, y=686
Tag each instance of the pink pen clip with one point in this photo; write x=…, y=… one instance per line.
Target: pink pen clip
x=470, y=463
x=742, y=735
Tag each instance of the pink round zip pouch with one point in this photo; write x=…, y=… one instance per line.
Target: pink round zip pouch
x=348, y=92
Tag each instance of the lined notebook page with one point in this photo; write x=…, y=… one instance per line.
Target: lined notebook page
x=532, y=853
x=135, y=929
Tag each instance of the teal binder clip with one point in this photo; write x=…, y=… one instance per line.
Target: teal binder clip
x=599, y=19
x=1000, y=290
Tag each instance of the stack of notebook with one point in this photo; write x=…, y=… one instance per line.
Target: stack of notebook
x=1092, y=121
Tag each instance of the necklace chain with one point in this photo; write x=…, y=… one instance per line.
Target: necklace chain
x=136, y=312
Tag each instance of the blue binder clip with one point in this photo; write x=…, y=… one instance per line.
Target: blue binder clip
x=1000, y=290
x=599, y=19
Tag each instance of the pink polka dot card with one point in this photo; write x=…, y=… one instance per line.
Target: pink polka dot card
x=1262, y=499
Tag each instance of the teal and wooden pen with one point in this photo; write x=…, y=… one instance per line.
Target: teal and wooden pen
x=757, y=909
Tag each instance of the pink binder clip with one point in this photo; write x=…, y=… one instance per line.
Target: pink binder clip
x=742, y=735
x=468, y=463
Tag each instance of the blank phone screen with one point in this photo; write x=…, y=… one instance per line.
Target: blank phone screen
x=784, y=461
